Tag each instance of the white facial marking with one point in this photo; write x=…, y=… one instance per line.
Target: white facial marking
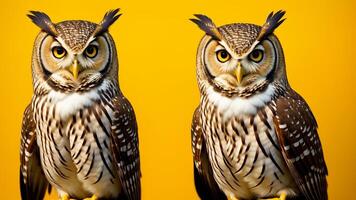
x=236, y=105
x=68, y=104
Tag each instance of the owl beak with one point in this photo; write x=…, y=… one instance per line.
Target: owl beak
x=74, y=69
x=239, y=73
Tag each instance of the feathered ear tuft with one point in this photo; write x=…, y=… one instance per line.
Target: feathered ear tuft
x=43, y=21
x=272, y=22
x=109, y=18
x=207, y=25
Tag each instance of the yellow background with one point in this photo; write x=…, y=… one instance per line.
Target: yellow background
x=157, y=47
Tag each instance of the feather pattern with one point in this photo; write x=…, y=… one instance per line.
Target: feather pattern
x=109, y=18
x=77, y=150
x=124, y=147
x=43, y=21
x=205, y=183
x=207, y=25
x=246, y=161
x=197, y=139
x=33, y=183
x=296, y=129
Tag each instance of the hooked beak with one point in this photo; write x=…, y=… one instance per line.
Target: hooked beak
x=74, y=69
x=239, y=73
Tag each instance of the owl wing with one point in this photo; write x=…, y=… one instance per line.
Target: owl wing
x=296, y=130
x=33, y=183
x=205, y=183
x=124, y=147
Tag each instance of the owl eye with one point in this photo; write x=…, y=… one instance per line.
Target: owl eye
x=91, y=51
x=256, y=55
x=58, y=52
x=223, y=56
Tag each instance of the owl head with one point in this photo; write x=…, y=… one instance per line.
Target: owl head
x=74, y=55
x=239, y=59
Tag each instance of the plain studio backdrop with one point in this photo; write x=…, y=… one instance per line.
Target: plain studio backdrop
x=157, y=46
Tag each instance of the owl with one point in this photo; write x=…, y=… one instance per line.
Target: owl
x=253, y=136
x=79, y=132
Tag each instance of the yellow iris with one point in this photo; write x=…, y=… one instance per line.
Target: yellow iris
x=58, y=52
x=91, y=51
x=223, y=56
x=256, y=55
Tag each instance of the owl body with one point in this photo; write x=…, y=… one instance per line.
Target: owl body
x=79, y=133
x=253, y=136
x=244, y=151
x=74, y=128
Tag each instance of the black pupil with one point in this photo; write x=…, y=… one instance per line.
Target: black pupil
x=60, y=50
x=256, y=54
x=90, y=50
x=223, y=54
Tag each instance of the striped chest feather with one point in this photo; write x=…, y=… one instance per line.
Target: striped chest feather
x=73, y=134
x=243, y=149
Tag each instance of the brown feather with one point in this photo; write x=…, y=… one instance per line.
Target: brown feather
x=197, y=139
x=43, y=21
x=272, y=22
x=205, y=184
x=296, y=130
x=207, y=25
x=109, y=18
x=33, y=183
x=124, y=147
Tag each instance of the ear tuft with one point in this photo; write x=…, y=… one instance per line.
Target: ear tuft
x=207, y=25
x=272, y=22
x=43, y=21
x=109, y=18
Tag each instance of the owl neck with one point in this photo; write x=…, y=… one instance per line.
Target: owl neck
x=67, y=104
x=242, y=92
x=237, y=105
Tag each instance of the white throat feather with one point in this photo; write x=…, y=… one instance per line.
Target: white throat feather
x=68, y=104
x=236, y=106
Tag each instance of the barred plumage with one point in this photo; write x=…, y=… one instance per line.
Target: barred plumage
x=79, y=132
x=258, y=134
